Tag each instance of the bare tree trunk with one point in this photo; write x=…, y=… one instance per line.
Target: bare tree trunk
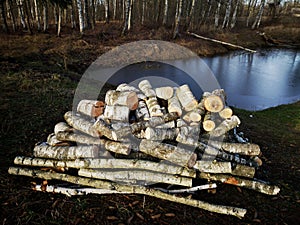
x=73, y=21
x=3, y=16
x=165, y=19
x=80, y=16
x=45, y=15
x=27, y=16
x=177, y=18
x=59, y=20
x=127, y=17
x=259, y=15
x=227, y=14
x=157, y=13
x=11, y=11
x=21, y=13
x=217, y=15
x=233, y=20
x=143, y=11
x=37, y=15
x=191, y=13
x=114, y=9
x=93, y=10
x=87, y=19
x=106, y=5
x=251, y=8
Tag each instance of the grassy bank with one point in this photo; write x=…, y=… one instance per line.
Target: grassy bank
x=39, y=75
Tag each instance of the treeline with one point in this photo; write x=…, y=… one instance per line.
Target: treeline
x=36, y=15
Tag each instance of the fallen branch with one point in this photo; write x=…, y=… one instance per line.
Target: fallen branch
x=221, y=42
x=188, y=190
x=228, y=210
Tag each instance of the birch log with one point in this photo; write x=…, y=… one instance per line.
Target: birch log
x=142, y=112
x=164, y=92
x=53, y=141
x=90, y=108
x=81, y=124
x=157, y=134
x=188, y=190
x=226, y=126
x=153, y=107
x=102, y=128
x=174, y=106
x=241, y=148
x=186, y=98
x=117, y=112
x=124, y=98
x=79, y=138
x=226, y=113
x=66, y=152
x=146, y=88
x=241, y=182
x=62, y=126
x=177, y=155
x=208, y=124
x=243, y=171
x=132, y=174
x=127, y=87
x=214, y=167
x=193, y=116
x=238, y=212
x=213, y=103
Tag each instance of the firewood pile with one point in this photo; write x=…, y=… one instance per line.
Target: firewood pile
x=160, y=142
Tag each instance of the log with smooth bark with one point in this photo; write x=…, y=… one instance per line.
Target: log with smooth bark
x=243, y=171
x=79, y=138
x=226, y=126
x=208, y=123
x=66, y=152
x=170, y=124
x=235, y=211
x=226, y=113
x=81, y=124
x=177, y=155
x=133, y=174
x=256, y=185
x=241, y=148
x=160, y=134
x=62, y=126
x=90, y=108
x=125, y=98
x=188, y=190
x=117, y=112
x=142, y=112
x=164, y=92
x=186, y=98
x=213, y=167
x=153, y=106
x=53, y=141
x=174, y=105
x=102, y=128
x=147, y=89
x=127, y=87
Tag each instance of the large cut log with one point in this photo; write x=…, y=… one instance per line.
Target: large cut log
x=125, y=98
x=81, y=124
x=213, y=103
x=193, y=116
x=66, y=152
x=160, y=134
x=243, y=171
x=90, y=108
x=117, y=112
x=76, y=137
x=226, y=126
x=259, y=186
x=132, y=174
x=102, y=128
x=238, y=212
x=146, y=88
x=164, y=92
x=226, y=113
x=174, y=105
x=177, y=155
x=186, y=98
x=213, y=167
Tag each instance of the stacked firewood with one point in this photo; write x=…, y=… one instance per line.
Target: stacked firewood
x=151, y=141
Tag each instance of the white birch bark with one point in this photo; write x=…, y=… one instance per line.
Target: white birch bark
x=213, y=167
x=259, y=15
x=234, y=16
x=72, y=16
x=225, y=126
x=59, y=20
x=21, y=13
x=217, y=14
x=177, y=18
x=114, y=9
x=37, y=15
x=165, y=18
x=164, y=92
x=80, y=16
x=190, y=15
x=143, y=11
x=138, y=175
x=174, y=105
x=227, y=14
x=125, y=98
x=238, y=212
x=106, y=6
x=45, y=16
x=186, y=98
x=127, y=16
x=116, y=112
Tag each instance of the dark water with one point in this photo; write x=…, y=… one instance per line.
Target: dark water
x=251, y=81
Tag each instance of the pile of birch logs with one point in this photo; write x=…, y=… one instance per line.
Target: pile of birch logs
x=149, y=141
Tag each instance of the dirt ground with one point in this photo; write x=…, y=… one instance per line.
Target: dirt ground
x=39, y=74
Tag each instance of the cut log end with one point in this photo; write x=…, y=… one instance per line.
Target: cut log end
x=208, y=125
x=213, y=103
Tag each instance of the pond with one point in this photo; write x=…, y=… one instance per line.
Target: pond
x=251, y=81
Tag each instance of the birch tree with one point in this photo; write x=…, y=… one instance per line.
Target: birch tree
x=45, y=16
x=3, y=16
x=177, y=18
x=259, y=15
x=10, y=6
x=127, y=18
x=87, y=20
x=72, y=16
x=227, y=14
x=234, y=16
x=106, y=5
x=80, y=16
x=143, y=11
x=165, y=18
x=191, y=13
x=37, y=15
x=21, y=13
x=217, y=14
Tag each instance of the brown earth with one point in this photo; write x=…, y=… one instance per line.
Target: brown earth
x=38, y=76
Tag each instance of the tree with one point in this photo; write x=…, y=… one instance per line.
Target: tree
x=3, y=16
x=191, y=13
x=37, y=15
x=127, y=19
x=177, y=18
x=107, y=15
x=227, y=14
x=259, y=15
x=165, y=18
x=80, y=16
